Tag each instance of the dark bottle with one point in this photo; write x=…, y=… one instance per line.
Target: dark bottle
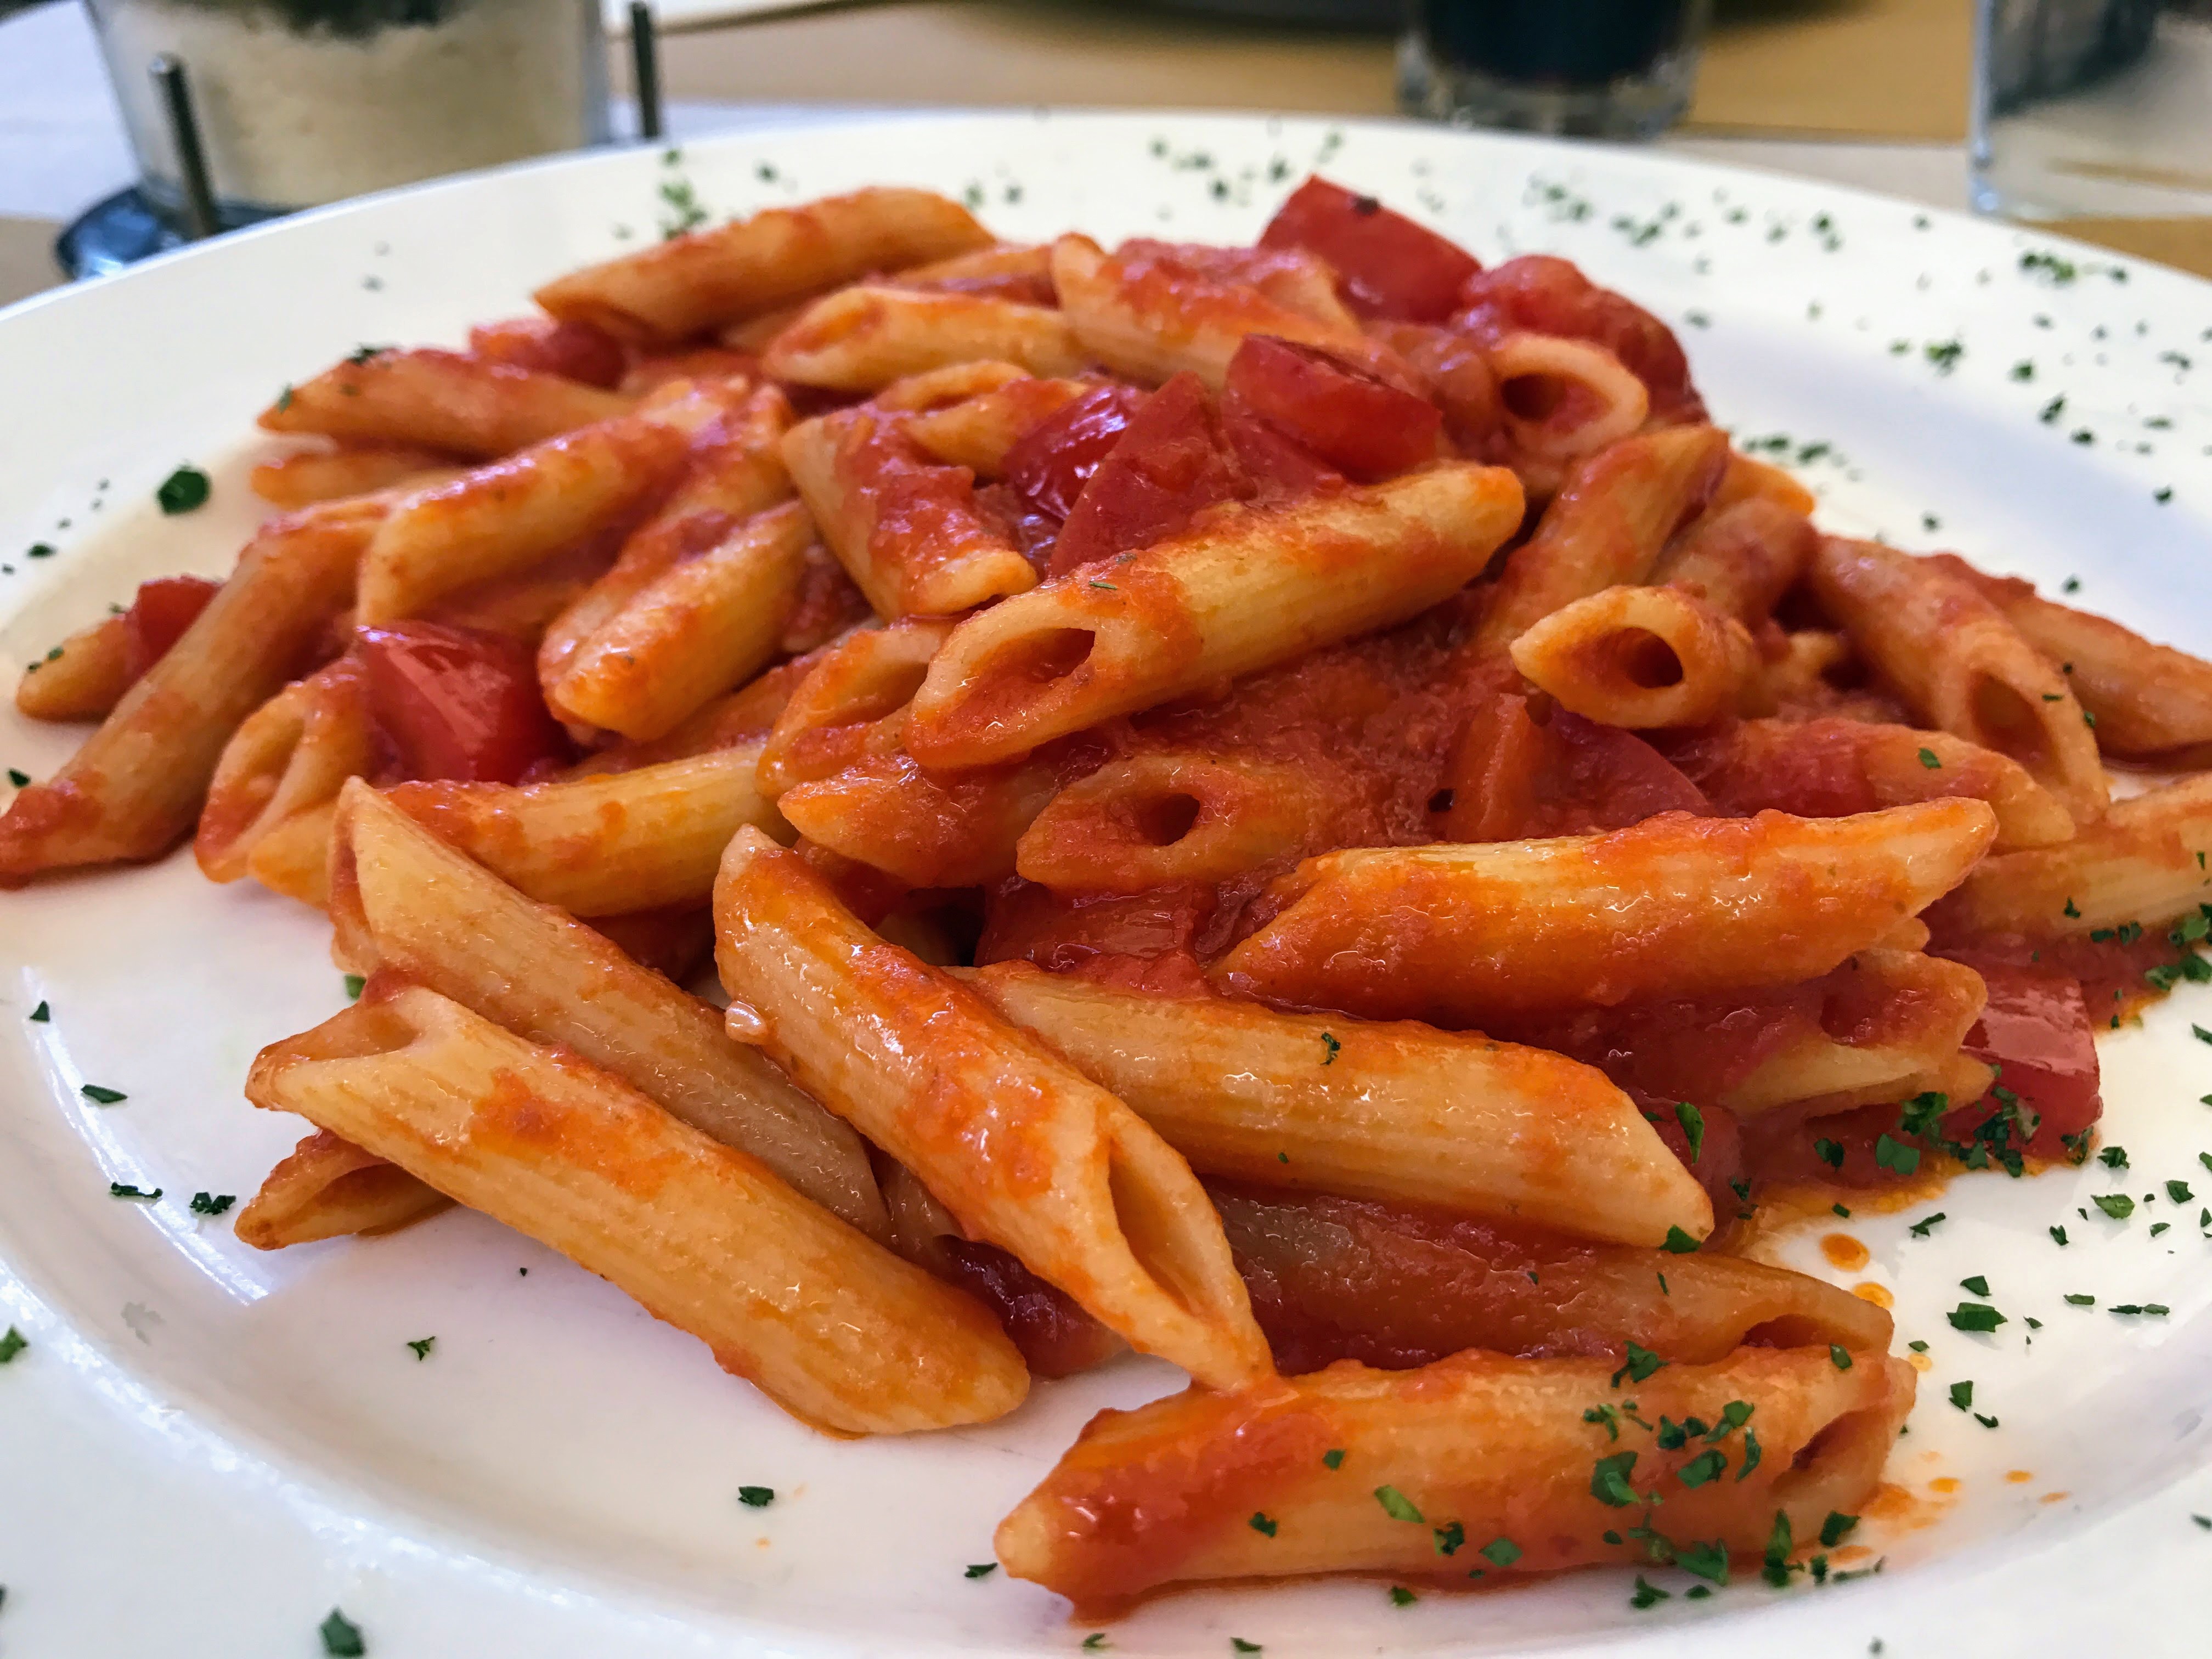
x=1592, y=68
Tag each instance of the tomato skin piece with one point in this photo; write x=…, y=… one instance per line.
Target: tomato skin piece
x=2036, y=1030
x=1170, y=463
x=1385, y=265
x=576, y=351
x=456, y=703
x=1354, y=421
x=158, y=617
x=1049, y=463
x=1541, y=293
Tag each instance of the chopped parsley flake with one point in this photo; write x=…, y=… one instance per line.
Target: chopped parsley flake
x=1928, y=759
x=1609, y=1480
x=1402, y=1597
x=12, y=1344
x=1449, y=1538
x=1752, y=1453
x=1679, y=1242
x=2058, y=1237
x=756, y=1497
x=341, y=1638
x=1962, y=1395
x=100, y=1096
x=1920, y=1229
x=40, y=1014
x=1607, y=1418
x=1263, y=1523
x=422, y=1345
x=1648, y=1594
x=2119, y=1206
x=212, y=1203
x=21, y=778
x=982, y=1569
x=1329, y=1042
x=1499, y=1552
x=186, y=489
x=1094, y=1642
x=123, y=1189
x=2150, y=1309
x=1642, y=1363
x=2080, y=1301
x=1709, y=1560
x=1334, y=1457
x=1975, y=1316
x=1944, y=353
x=1829, y=1153
x=1709, y=1465
x=1835, y=1529
x=2178, y=1192
x=1396, y=1504
x=1840, y=1356
x=1238, y=1644
x=1893, y=1154
x=1734, y=1416
x=1978, y=1284
x=1694, y=1127
x=354, y=982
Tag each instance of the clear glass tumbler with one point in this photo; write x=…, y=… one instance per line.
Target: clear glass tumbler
x=2093, y=108
x=300, y=102
x=1597, y=68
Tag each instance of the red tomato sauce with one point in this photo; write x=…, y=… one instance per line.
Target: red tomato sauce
x=1385, y=265
x=1170, y=463
x=576, y=351
x=1540, y=293
x=1344, y=417
x=158, y=617
x=1056, y=1336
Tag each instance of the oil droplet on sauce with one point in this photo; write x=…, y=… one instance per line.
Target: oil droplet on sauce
x=1920, y=1362
x=1946, y=1483
x=2019, y=1476
x=1877, y=1294
x=2055, y=1497
x=1845, y=1252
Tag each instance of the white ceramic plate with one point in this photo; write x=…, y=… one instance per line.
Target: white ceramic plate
x=204, y=1449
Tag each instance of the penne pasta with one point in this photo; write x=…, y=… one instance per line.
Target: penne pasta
x=1608, y=528
x=508, y=515
x=1147, y=311
x=851, y=704
x=328, y=1187
x=1024, y=1151
x=1579, y=397
x=709, y=278
x=1342, y=1279
x=410, y=903
x=1741, y=557
x=1013, y=270
x=1509, y=1461
x=1747, y=477
x=292, y=857
x=703, y=625
x=606, y=844
x=1953, y=657
x=1251, y=588
x=1398, y=1112
x=976, y=432
x=908, y=531
x=2142, y=862
x=1641, y=658
x=2148, y=700
x=327, y=474
x=833, y=1328
x=82, y=678
x=1672, y=906
x=293, y=753
x=441, y=401
x=864, y=337
x=1151, y=819
x=926, y=829
x=134, y=786
x=939, y=388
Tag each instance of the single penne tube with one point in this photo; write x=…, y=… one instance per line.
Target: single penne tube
x=829, y=1325
x=1586, y=396
x=735, y=471
x=1337, y=1279
x=1152, y=323
x=707, y=279
x=511, y=513
x=1478, y=1464
x=852, y=704
x=327, y=1188
x=704, y=625
x=977, y=432
x=521, y=605
x=1026, y=1151
x=926, y=829
x=2143, y=861
x=1961, y=666
x=82, y=678
x=1914, y=1011
x=134, y=786
x=292, y=857
x=325, y=475
x=293, y=752
x=1747, y=478
x=1015, y=271
x=1149, y=820
x=936, y=388
x=1673, y=907
x=439, y=401
x=1641, y=658
x=607, y=844
x=907, y=530
x=1818, y=768
x=862, y=338
x=1739, y=558
x=1249, y=589
x=2148, y=700
x=410, y=903
x=1606, y=528
x=1397, y=1111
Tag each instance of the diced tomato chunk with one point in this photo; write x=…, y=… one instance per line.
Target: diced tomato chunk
x=1352, y=420
x=1385, y=264
x=158, y=617
x=1542, y=294
x=2036, y=1031
x=457, y=703
x=1056, y=1337
x=1049, y=463
x=1170, y=463
x=577, y=351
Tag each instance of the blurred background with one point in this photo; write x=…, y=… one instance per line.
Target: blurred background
x=171, y=116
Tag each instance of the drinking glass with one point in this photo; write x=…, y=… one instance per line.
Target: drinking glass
x=2093, y=108
x=1600, y=68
